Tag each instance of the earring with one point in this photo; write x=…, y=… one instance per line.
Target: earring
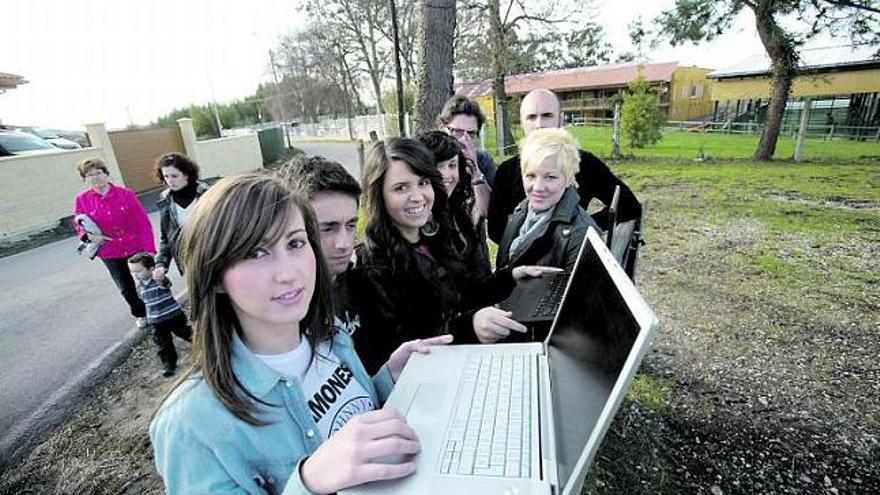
x=430, y=228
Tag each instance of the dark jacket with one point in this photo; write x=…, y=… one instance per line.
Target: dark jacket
x=487, y=166
x=169, y=227
x=556, y=244
x=594, y=180
x=397, y=307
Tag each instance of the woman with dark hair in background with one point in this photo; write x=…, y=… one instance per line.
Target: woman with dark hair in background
x=125, y=228
x=452, y=165
x=176, y=203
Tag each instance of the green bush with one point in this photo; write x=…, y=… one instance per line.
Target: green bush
x=639, y=114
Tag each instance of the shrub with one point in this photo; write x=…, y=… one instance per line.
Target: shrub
x=640, y=117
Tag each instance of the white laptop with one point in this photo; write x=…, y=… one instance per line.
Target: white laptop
x=527, y=418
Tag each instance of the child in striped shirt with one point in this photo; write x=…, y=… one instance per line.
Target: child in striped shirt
x=163, y=311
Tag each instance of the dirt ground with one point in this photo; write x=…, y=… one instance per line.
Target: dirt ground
x=753, y=385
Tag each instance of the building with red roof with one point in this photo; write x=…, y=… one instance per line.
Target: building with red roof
x=683, y=93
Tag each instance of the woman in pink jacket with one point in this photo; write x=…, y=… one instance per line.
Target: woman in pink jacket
x=125, y=228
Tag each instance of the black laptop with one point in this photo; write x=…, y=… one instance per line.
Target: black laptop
x=536, y=300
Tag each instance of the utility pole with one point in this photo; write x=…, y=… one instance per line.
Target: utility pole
x=278, y=97
x=400, y=109
x=342, y=74
x=615, y=132
x=213, y=107
x=802, y=132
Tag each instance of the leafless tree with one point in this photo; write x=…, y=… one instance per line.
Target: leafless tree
x=360, y=26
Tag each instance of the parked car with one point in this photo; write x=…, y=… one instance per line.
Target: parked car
x=51, y=137
x=22, y=143
x=79, y=137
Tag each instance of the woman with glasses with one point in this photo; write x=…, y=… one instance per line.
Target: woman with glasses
x=124, y=228
x=176, y=203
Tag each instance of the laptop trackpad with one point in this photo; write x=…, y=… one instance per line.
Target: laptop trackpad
x=428, y=403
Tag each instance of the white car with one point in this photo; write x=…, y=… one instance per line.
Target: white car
x=51, y=137
x=22, y=143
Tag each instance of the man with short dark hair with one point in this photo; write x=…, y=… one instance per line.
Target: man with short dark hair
x=335, y=196
x=539, y=110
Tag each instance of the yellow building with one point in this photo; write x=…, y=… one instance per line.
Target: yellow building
x=842, y=82
x=683, y=93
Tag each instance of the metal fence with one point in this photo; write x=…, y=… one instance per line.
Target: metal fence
x=360, y=127
x=385, y=125
x=861, y=133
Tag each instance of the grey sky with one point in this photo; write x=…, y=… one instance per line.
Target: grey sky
x=103, y=60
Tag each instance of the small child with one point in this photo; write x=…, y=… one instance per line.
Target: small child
x=163, y=311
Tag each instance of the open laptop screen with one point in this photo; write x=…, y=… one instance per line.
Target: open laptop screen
x=591, y=339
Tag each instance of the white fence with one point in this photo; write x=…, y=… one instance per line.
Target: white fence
x=727, y=127
x=360, y=127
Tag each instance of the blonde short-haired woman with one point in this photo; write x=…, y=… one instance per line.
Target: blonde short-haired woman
x=547, y=228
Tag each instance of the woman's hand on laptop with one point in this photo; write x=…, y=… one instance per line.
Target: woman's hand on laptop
x=492, y=324
x=533, y=271
x=348, y=458
x=401, y=355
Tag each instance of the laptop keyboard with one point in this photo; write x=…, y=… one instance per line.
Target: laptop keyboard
x=550, y=299
x=490, y=432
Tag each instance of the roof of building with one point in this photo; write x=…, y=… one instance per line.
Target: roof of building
x=10, y=81
x=812, y=59
x=598, y=76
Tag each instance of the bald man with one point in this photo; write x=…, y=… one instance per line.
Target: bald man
x=540, y=110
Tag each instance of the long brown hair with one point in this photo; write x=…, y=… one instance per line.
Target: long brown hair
x=234, y=217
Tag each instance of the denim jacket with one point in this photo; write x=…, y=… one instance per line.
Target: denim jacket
x=201, y=447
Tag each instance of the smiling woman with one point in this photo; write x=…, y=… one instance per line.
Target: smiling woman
x=547, y=228
x=416, y=282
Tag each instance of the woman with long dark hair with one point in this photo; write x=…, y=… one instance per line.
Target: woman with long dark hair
x=452, y=164
x=416, y=283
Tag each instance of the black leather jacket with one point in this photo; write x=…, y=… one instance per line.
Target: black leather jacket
x=594, y=179
x=557, y=244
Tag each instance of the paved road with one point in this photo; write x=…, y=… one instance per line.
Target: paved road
x=60, y=312
x=344, y=152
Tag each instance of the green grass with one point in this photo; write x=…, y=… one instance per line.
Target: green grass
x=807, y=198
x=805, y=216
x=646, y=390
x=688, y=145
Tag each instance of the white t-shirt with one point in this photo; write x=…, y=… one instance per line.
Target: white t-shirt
x=333, y=396
x=183, y=214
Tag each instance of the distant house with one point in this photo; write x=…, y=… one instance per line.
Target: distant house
x=842, y=81
x=10, y=81
x=683, y=93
